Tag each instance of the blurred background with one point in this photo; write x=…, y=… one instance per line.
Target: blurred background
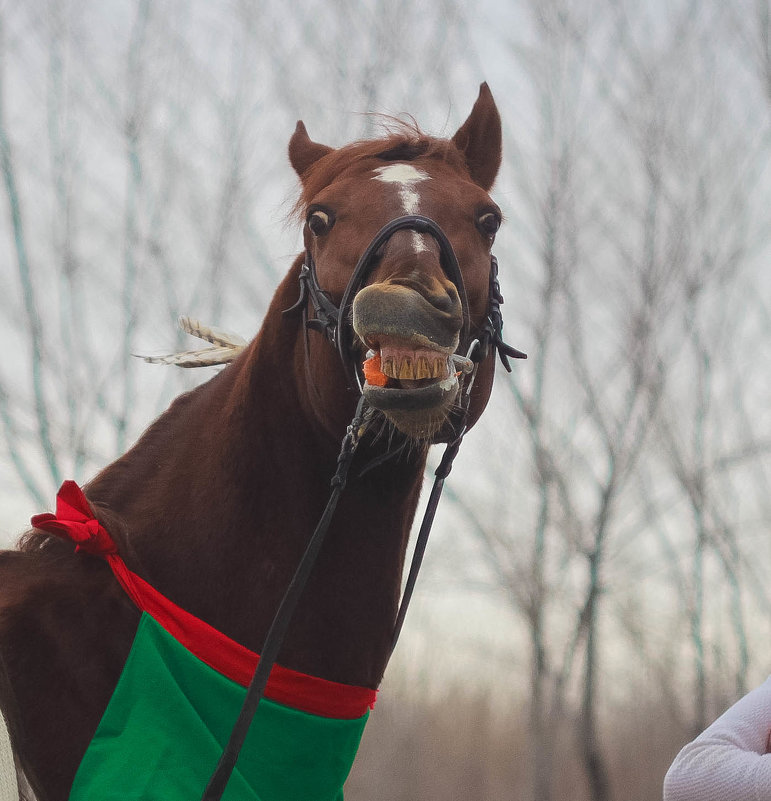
x=598, y=586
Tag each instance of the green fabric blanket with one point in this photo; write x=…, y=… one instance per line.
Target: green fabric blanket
x=169, y=718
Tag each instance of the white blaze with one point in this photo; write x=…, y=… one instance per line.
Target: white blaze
x=406, y=177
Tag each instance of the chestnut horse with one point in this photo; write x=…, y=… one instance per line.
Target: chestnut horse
x=215, y=503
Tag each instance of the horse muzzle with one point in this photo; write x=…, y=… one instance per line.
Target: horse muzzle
x=412, y=334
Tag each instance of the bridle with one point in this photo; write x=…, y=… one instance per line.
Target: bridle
x=335, y=323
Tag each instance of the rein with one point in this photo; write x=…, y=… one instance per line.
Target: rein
x=335, y=324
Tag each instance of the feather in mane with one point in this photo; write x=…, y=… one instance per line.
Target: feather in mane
x=227, y=347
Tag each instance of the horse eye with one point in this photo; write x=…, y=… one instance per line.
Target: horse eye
x=489, y=223
x=319, y=222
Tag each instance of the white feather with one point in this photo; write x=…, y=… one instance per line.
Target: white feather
x=214, y=335
x=227, y=347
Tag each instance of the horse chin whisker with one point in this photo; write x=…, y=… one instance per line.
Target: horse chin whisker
x=382, y=429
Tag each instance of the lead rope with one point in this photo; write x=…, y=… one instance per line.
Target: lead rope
x=277, y=632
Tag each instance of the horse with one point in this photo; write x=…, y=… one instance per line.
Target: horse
x=214, y=504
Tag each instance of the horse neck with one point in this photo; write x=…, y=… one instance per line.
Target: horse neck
x=220, y=522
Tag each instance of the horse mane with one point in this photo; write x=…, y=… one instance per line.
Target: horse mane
x=402, y=140
x=53, y=548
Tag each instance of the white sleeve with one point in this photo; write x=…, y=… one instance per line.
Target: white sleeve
x=728, y=760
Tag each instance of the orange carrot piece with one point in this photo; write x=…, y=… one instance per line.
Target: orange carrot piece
x=372, y=372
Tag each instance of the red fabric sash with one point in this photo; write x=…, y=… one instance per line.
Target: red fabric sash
x=75, y=521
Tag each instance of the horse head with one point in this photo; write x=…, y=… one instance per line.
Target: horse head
x=398, y=236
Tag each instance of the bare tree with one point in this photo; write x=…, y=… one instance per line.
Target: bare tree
x=642, y=247
x=161, y=143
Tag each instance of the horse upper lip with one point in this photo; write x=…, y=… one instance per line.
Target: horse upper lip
x=382, y=312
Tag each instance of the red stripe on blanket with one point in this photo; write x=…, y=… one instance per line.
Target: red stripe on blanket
x=74, y=520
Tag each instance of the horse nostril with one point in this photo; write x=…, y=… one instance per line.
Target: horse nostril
x=442, y=295
x=448, y=300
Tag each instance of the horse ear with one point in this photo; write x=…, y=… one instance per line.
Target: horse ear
x=304, y=153
x=479, y=139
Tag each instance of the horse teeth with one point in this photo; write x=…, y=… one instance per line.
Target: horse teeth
x=410, y=366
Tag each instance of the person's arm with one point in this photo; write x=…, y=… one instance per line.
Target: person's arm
x=729, y=760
